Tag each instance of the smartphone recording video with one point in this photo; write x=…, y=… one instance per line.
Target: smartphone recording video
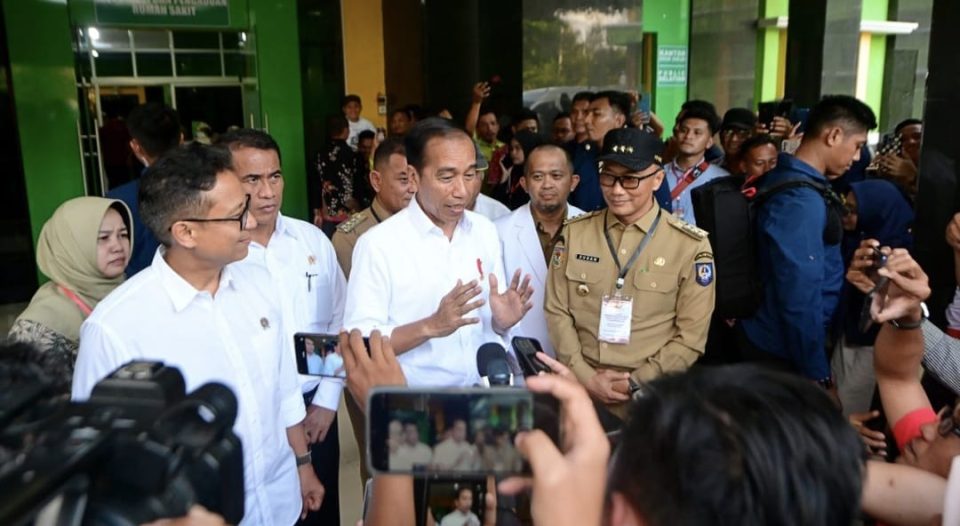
x=318, y=355
x=454, y=432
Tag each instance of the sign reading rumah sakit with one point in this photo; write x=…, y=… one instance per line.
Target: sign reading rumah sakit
x=163, y=12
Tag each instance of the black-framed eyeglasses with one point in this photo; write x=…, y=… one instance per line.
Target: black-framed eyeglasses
x=627, y=182
x=948, y=423
x=242, y=218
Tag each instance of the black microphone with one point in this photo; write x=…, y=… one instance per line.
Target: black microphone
x=492, y=365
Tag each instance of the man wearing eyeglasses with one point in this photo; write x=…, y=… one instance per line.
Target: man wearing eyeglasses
x=191, y=310
x=630, y=288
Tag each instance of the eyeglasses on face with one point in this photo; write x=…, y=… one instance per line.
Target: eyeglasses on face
x=627, y=182
x=242, y=218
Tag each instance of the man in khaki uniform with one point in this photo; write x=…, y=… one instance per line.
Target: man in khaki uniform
x=630, y=288
x=394, y=187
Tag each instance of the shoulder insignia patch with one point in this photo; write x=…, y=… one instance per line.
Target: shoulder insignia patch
x=581, y=217
x=347, y=226
x=687, y=228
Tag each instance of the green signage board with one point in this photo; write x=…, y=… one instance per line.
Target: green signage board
x=168, y=13
x=671, y=65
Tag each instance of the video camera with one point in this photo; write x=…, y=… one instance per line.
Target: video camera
x=138, y=450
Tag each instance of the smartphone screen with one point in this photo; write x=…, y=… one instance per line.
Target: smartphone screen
x=454, y=432
x=318, y=355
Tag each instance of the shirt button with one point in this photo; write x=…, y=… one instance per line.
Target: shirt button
x=653, y=284
x=583, y=276
x=623, y=251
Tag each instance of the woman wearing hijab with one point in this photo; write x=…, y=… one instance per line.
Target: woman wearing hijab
x=83, y=249
x=509, y=192
x=875, y=209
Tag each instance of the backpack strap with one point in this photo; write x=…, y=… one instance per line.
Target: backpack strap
x=828, y=194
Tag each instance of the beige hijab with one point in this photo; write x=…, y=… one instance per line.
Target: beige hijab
x=67, y=254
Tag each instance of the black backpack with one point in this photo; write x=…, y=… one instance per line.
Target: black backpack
x=722, y=209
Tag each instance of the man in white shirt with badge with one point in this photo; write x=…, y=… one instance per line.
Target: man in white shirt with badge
x=191, y=310
x=530, y=232
x=431, y=275
x=303, y=270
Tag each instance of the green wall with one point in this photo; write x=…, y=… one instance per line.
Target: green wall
x=670, y=20
x=278, y=66
x=45, y=96
x=768, y=51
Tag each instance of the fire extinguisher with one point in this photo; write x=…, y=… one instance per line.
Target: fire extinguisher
x=381, y=104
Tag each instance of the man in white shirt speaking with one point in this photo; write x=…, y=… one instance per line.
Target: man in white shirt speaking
x=191, y=310
x=303, y=270
x=430, y=276
x=529, y=234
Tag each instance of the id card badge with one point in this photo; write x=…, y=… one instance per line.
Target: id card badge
x=616, y=313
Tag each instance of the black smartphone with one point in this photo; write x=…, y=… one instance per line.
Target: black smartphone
x=318, y=354
x=526, y=350
x=880, y=283
x=778, y=108
x=454, y=432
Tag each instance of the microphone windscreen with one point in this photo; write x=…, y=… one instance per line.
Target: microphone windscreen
x=487, y=353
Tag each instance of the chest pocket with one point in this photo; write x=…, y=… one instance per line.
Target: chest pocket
x=655, y=293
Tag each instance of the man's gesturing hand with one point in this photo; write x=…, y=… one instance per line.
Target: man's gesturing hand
x=509, y=308
x=908, y=287
x=453, y=307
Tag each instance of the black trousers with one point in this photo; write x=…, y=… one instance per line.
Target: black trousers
x=326, y=464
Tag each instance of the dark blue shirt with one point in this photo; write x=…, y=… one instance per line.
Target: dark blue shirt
x=144, y=242
x=801, y=274
x=588, y=196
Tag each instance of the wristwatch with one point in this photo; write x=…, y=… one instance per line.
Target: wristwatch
x=906, y=326
x=304, y=459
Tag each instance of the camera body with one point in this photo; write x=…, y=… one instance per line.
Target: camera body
x=139, y=449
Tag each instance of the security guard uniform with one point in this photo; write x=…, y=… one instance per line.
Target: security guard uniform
x=670, y=282
x=347, y=233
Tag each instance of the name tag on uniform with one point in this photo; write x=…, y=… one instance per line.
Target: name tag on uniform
x=616, y=314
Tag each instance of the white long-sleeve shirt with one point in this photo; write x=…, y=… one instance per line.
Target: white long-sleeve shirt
x=403, y=267
x=303, y=268
x=233, y=337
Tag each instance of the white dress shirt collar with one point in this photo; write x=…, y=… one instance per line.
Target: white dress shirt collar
x=424, y=225
x=181, y=292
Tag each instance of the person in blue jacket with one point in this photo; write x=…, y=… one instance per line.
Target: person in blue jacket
x=154, y=130
x=798, y=243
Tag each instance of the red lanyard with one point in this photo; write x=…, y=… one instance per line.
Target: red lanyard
x=84, y=308
x=688, y=178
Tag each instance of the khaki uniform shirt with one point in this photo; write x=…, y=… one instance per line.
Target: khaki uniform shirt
x=671, y=284
x=348, y=232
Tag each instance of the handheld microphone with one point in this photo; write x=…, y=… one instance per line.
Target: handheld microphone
x=492, y=365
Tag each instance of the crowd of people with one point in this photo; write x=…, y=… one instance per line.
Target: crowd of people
x=737, y=385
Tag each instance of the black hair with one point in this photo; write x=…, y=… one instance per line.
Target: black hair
x=388, y=147
x=365, y=134
x=906, y=122
x=422, y=132
x=738, y=445
x=618, y=100
x=350, y=98
x=248, y=138
x=839, y=110
x=699, y=103
x=543, y=148
x=485, y=110
x=461, y=489
x=336, y=124
x=561, y=115
x=526, y=115
x=756, y=141
x=582, y=95
x=156, y=127
x=404, y=110
x=702, y=113
x=173, y=187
